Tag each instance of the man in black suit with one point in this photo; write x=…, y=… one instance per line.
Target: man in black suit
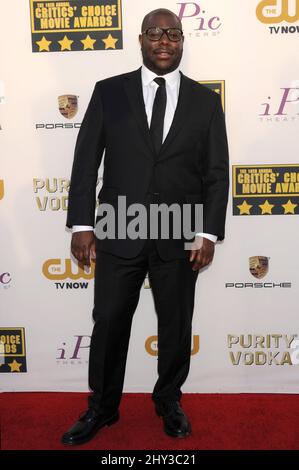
x=165, y=142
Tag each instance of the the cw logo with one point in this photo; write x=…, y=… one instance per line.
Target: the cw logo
x=1, y=189
x=267, y=11
x=151, y=345
x=52, y=269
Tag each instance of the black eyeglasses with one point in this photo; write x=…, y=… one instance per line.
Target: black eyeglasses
x=155, y=34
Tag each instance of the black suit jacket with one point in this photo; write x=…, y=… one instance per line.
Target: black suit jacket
x=191, y=167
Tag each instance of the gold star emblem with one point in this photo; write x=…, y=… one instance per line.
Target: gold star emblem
x=266, y=208
x=15, y=366
x=65, y=44
x=244, y=208
x=110, y=42
x=289, y=207
x=88, y=42
x=43, y=44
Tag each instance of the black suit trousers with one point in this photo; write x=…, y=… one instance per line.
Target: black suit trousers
x=117, y=288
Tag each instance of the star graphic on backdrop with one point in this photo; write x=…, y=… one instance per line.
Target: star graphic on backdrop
x=266, y=208
x=244, y=208
x=110, y=42
x=289, y=207
x=43, y=44
x=88, y=42
x=15, y=366
x=65, y=44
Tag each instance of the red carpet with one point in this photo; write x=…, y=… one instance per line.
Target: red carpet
x=244, y=422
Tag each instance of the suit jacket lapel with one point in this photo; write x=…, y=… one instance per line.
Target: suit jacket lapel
x=133, y=88
x=181, y=113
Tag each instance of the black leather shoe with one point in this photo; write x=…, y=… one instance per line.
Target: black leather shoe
x=87, y=427
x=176, y=423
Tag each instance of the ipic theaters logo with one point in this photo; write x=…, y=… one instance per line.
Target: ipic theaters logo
x=218, y=86
x=266, y=189
x=12, y=350
x=51, y=193
x=258, y=268
x=74, y=352
x=72, y=275
x=151, y=345
x=283, y=107
x=67, y=106
x=197, y=21
x=75, y=25
x=282, y=16
x=5, y=280
x=262, y=350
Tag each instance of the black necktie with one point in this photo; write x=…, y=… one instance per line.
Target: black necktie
x=158, y=114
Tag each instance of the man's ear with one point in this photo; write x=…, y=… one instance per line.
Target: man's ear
x=140, y=39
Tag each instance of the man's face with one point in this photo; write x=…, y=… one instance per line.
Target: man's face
x=161, y=56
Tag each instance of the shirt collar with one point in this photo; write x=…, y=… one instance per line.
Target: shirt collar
x=172, y=78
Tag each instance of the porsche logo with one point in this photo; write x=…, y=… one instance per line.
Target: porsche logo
x=259, y=266
x=68, y=105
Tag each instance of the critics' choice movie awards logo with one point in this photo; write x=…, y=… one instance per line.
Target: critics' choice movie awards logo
x=74, y=25
x=216, y=85
x=67, y=105
x=259, y=268
x=263, y=350
x=12, y=350
x=284, y=107
x=266, y=189
x=198, y=20
x=281, y=16
x=67, y=274
x=76, y=350
x=51, y=194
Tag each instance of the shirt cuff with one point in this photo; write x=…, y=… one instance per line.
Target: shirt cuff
x=209, y=236
x=81, y=228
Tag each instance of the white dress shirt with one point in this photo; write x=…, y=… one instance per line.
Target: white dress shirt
x=149, y=88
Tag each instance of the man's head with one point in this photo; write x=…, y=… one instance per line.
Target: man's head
x=161, y=55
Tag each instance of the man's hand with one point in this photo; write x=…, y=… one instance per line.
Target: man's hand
x=83, y=246
x=202, y=256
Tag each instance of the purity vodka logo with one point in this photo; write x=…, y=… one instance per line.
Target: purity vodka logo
x=272, y=349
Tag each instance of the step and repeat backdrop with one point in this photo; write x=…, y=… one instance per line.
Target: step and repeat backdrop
x=246, y=318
